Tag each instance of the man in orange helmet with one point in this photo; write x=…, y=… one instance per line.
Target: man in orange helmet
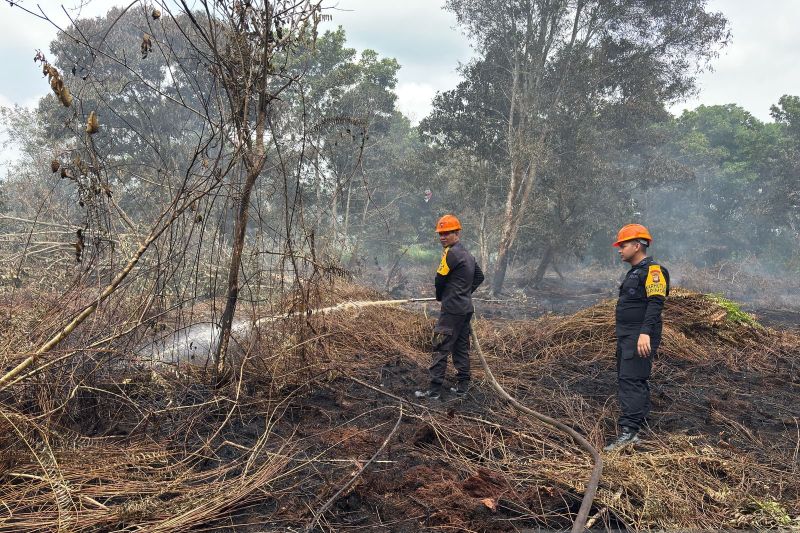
x=638, y=329
x=457, y=278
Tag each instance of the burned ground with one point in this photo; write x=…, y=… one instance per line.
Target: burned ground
x=163, y=449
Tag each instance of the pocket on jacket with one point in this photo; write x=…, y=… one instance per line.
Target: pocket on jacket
x=446, y=327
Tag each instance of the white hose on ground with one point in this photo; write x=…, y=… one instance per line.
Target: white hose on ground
x=344, y=306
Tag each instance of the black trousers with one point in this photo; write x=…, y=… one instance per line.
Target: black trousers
x=450, y=335
x=633, y=373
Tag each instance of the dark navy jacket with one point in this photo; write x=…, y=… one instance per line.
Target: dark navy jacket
x=641, y=299
x=457, y=278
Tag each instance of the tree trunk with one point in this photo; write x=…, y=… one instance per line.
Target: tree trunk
x=525, y=145
x=483, y=232
x=541, y=270
x=500, y=267
x=232, y=297
x=351, y=265
x=254, y=163
x=335, y=211
x=346, y=225
x=318, y=187
x=511, y=197
x=505, y=245
x=555, y=268
x=516, y=206
x=483, y=246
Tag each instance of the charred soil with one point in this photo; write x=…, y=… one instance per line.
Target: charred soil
x=302, y=418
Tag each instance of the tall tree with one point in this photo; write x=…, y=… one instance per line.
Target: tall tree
x=466, y=134
x=348, y=101
x=783, y=196
x=537, y=46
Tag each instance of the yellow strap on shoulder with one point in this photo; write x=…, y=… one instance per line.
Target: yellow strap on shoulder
x=443, y=268
x=655, y=284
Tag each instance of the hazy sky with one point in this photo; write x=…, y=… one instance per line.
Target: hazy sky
x=754, y=70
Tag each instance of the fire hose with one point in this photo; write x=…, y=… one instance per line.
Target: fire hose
x=579, y=524
x=594, y=480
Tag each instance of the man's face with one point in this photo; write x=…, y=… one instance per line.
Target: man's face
x=627, y=250
x=448, y=238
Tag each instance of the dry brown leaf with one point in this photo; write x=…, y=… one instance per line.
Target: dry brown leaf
x=491, y=503
x=92, y=124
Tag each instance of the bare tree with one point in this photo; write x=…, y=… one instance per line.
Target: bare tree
x=251, y=46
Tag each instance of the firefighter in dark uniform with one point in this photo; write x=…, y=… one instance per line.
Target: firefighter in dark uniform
x=638, y=329
x=457, y=278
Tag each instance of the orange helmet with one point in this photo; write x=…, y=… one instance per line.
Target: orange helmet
x=631, y=232
x=447, y=223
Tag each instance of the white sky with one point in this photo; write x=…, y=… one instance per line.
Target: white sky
x=754, y=70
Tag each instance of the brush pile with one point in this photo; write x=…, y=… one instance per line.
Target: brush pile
x=94, y=447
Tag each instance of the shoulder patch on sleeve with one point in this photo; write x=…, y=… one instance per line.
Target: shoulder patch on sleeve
x=443, y=268
x=655, y=285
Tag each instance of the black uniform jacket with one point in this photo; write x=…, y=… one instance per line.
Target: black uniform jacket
x=457, y=278
x=641, y=299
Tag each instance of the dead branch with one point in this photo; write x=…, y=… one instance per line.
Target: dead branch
x=54, y=341
x=318, y=514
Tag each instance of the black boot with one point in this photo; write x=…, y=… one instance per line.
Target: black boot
x=461, y=388
x=431, y=394
x=627, y=437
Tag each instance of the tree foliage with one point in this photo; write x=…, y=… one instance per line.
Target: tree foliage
x=565, y=92
x=743, y=200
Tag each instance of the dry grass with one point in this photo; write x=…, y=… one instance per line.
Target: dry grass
x=86, y=446
x=680, y=479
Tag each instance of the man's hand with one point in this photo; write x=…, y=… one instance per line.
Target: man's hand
x=643, y=345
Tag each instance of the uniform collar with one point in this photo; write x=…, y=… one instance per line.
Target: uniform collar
x=643, y=262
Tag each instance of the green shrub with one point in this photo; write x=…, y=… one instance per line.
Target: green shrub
x=735, y=313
